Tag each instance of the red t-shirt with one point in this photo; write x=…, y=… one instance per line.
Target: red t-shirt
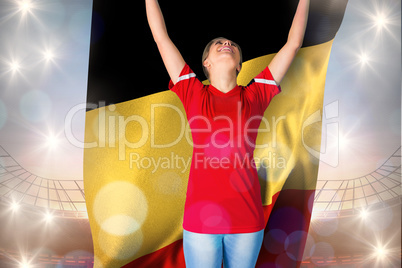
x=223, y=193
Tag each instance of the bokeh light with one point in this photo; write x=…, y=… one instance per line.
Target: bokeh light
x=320, y=251
x=274, y=241
x=292, y=245
x=129, y=206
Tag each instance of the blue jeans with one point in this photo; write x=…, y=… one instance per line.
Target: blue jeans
x=208, y=250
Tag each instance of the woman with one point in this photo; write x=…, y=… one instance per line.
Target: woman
x=223, y=216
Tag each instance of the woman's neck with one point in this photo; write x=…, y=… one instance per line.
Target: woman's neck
x=223, y=80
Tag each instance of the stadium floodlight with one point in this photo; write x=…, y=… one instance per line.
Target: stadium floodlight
x=52, y=141
x=48, y=55
x=364, y=214
x=381, y=252
x=25, y=6
x=380, y=21
x=25, y=264
x=48, y=217
x=14, y=66
x=364, y=59
x=15, y=206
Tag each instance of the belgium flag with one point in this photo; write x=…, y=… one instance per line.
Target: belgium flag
x=138, y=148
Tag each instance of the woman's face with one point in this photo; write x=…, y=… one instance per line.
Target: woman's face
x=223, y=49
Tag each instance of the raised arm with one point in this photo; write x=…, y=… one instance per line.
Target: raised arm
x=171, y=56
x=283, y=59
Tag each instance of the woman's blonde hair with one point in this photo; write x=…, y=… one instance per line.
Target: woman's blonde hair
x=205, y=54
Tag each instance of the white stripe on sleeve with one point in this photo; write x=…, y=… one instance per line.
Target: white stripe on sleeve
x=186, y=76
x=265, y=81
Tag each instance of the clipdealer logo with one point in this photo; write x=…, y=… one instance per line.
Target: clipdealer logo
x=201, y=161
x=111, y=132
x=111, y=129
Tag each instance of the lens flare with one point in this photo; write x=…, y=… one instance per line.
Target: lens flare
x=381, y=252
x=15, y=206
x=364, y=59
x=15, y=66
x=364, y=214
x=49, y=217
x=48, y=55
x=25, y=6
x=52, y=141
x=380, y=21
